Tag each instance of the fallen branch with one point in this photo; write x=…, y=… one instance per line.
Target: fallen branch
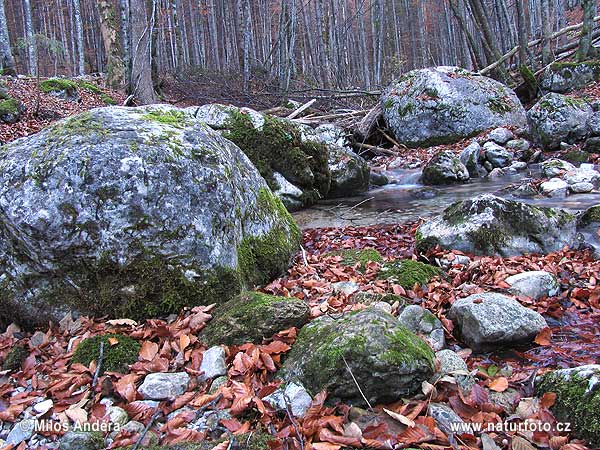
x=366, y=125
x=98, y=365
x=303, y=108
x=376, y=150
x=143, y=435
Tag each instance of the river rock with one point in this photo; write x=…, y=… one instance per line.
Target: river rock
x=164, y=386
x=388, y=361
x=472, y=157
x=253, y=316
x=500, y=135
x=292, y=394
x=350, y=173
x=557, y=118
x=577, y=399
x=444, y=168
x=11, y=109
x=492, y=225
x=445, y=417
x=582, y=175
x=534, y=284
x=213, y=363
x=555, y=187
x=81, y=440
x=424, y=323
x=518, y=145
x=497, y=155
x=441, y=105
x=555, y=167
x=489, y=320
x=581, y=188
x=563, y=77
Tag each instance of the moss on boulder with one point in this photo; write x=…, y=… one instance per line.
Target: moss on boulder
x=10, y=110
x=116, y=356
x=407, y=272
x=577, y=399
x=351, y=257
x=252, y=317
x=15, y=358
x=387, y=360
x=249, y=441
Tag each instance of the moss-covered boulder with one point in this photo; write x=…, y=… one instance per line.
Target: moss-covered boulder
x=276, y=147
x=10, y=108
x=444, y=168
x=61, y=88
x=442, y=105
x=252, y=317
x=588, y=224
x=118, y=352
x=360, y=257
x=407, y=272
x=15, y=357
x=557, y=118
x=387, y=360
x=133, y=212
x=564, y=77
x=577, y=399
x=490, y=225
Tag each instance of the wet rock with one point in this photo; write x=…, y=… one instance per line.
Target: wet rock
x=555, y=187
x=292, y=394
x=350, y=173
x=526, y=190
x=497, y=156
x=444, y=168
x=556, y=167
x=492, y=225
x=496, y=173
x=387, y=360
x=378, y=179
x=557, y=118
x=425, y=324
x=164, y=386
x=581, y=188
x=472, y=157
x=490, y=320
x=582, y=175
x=213, y=363
x=534, y=284
x=442, y=105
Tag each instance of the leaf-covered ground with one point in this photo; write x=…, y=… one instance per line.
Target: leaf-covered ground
x=172, y=345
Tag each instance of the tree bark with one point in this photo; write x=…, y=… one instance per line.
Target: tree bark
x=585, y=43
x=7, y=62
x=115, y=67
x=141, y=84
x=79, y=32
x=32, y=53
x=522, y=33
x=546, y=32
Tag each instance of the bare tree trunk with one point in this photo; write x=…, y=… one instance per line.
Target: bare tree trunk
x=461, y=21
x=7, y=62
x=522, y=33
x=30, y=39
x=79, y=33
x=247, y=24
x=546, y=32
x=585, y=43
x=110, y=36
x=142, y=87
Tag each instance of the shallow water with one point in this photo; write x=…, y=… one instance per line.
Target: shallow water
x=406, y=199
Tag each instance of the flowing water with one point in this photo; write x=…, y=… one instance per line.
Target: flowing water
x=405, y=199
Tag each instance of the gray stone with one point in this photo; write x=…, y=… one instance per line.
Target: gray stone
x=555, y=167
x=388, y=361
x=518, y=145
x=289, y=194
x=581, y=188
x=444, y=168
x=378, y=179
x=213, y=363
x=582, y=176
x=592, y=144
x=472, y=158
x=217, y=384
x=21, y=431
x=492, y=225
x=555, y=187
x=594, y=124
x=445, y=417
x=424, y=323
x=117, y=415
x=216, y=115
x=501, y=135
x=164, y=386
x=441, y=105
x=518, y=166
x=149, y=193
x=534, y=284
x=497, y=156
x=346, y=287
x=563, y=78
x=496, y=173
x=450, y=363
x=489, y=320
x=350, y=173
x=81, y=440
x=557, y=118
x=294, y=395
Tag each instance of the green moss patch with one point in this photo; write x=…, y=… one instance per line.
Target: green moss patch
x=278, y=147
x=407, y=272
x=116, y=358
x=591, y=215
x=9, y=106
x=576, y=156
x=177, y=119
x=15, y=358
x=59, y=85
x=351, y=257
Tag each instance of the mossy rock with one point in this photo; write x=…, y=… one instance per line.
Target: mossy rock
x=278, y=146
x=577, y=399
x=576, y=156
x=351, y=257
x=257, y=440
x=15, y=358
x=116, y=358
x=10, y=110
x=252, y=317
x=64, y=87
x=388, y=361
x=369, y=298
x=589, y=216
x=407, y=272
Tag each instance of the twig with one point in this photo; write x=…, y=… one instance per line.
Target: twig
x=213, y=402
x=392, y=140
x=304, y=256
x=143, y=435
x=356, y=383
x=376, y=150
x=288, y=410
x=98, y=365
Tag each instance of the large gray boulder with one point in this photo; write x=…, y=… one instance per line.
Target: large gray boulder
x=387, y=360
x=556, y=118
x=563, y=77
x=133, y=212
x=441, y=105
x=492, y=225
x=444, y=168
x=489, y=320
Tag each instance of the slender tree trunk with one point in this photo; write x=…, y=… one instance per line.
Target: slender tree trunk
x=142, y=87
x=7, y=62
x=546, y=32
x=522, y=33
x=585, y=43
x=247, y=24
x=30, y=39
x=461, y=21
x=79, y=33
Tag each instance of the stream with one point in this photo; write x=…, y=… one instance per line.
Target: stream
x=405, y=199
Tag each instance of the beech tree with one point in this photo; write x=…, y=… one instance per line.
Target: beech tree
x=7, y=62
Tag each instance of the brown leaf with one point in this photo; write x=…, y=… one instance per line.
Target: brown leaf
x=500, y=384
x=148, y=351
x=543, y=338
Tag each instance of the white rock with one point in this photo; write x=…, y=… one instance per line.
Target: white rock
x=555, y=187
x=534, y=284
x=581, y=188
x=294, y=394
x=213, y=363
x=518, y=165
x=164, y=386
x=347, y=287
x=582, y=176
x=117, y=415
x=383, y=306
x=554, y=167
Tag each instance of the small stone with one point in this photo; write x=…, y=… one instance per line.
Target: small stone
x=518, y=165
x=444, y=417
x=501, y=135
x=37, y=339
x=117, y=415
x=213, y=363
x=346, y=287
x=164, y=386
x=21, y=431
x=581, y=188
x=534, y=284
x=295, y=395
x=507, y=400
x=43, y=407
x=423, y=322
x=555, y=167
x=497, y=155
x=217, y=383
x=518, y=145
x=496, y=173
x=384, y=306
x=554, y=188
x=81, y=440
